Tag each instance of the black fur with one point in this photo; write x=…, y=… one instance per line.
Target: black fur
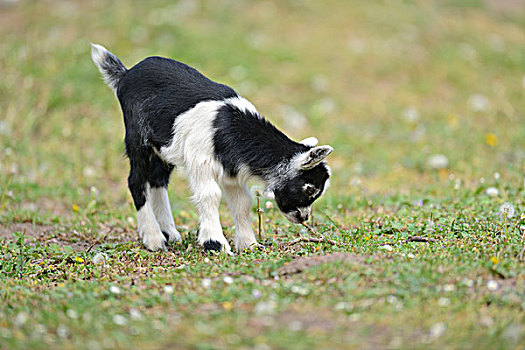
x=242, y=138
x=159, y=89
x=292, y=195
x=212, y=245
x=152, y=94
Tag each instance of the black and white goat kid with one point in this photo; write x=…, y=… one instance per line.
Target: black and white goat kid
x=175, y=116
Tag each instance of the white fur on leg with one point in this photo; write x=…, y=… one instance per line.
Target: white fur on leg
x=161, y=208
x=192, y=148
x=239, y=202
x=207, y=196
x=148, y=226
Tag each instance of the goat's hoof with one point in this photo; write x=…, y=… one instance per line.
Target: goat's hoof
x=212, y=245
x=156, y=243
x=172, y=237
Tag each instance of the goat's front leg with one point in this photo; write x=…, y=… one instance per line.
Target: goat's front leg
x=207, y=196
x=240, y=202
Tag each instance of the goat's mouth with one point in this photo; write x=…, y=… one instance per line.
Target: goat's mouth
x=297, y=217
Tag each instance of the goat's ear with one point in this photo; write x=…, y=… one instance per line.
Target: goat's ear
x=311, y=158
x=310, y=141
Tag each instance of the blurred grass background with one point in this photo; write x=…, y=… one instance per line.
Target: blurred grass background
x=422, y=100
x=390, y=84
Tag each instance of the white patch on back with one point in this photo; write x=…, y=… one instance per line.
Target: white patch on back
x=242, y=104
x=192, y=143
x=310, y=141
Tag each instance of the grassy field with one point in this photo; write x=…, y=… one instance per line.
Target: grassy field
x=423, y=102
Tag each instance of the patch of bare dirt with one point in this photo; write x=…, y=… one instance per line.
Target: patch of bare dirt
x=300, y=264
x=30, y=229
x=47, y=234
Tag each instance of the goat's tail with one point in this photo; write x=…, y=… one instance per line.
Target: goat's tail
x=108, y=64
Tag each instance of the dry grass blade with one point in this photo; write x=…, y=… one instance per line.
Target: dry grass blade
x=419, y=239
x=321, y=239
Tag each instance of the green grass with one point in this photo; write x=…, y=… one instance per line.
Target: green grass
x=387, y=84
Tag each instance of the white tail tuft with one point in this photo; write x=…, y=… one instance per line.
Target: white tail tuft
x=108, y=64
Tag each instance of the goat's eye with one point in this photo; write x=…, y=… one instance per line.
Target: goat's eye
x=309, y=190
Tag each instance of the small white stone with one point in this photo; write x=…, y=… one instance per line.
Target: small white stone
x=268, y=205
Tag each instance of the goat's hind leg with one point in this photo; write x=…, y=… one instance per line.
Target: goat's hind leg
x=140, y=189
x=159, y=176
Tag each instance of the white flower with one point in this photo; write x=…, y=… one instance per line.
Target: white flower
x=438, y=161
x=443, y=302
x=437, y=330
x=387, y=247
x=507, y=210
x=206, y=283
x=492, y=285
x=169, y=289
x=468, y=282
x=114, y=289
x=135, y=314
x=497, y=176
x=120, y=320
x=21, y=318
x=227, y=280
x=492, y=192
x=72, y=314
x=268, y=205
x=300, y=290
x=265, y=307
x=411, y=115
x=62, y=331
x=478, y=103
x=100, y=257
x=410, y=256
x=449, y=288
